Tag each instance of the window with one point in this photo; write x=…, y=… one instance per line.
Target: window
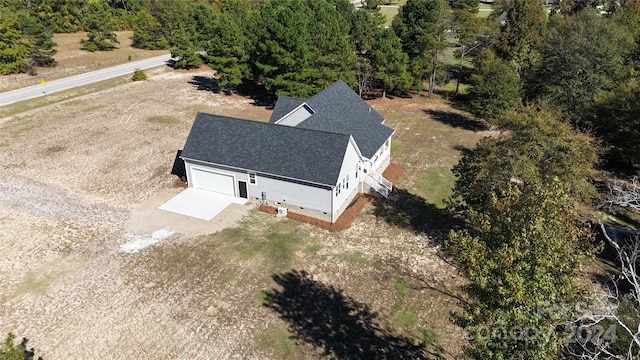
x=252, y=179
x=357, y=166
x=346, y=182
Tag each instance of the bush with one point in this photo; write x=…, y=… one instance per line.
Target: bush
x=139, y=75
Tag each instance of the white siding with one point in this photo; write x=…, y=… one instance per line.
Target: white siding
x=348, y=169
x=289, y=193
x=296, y=116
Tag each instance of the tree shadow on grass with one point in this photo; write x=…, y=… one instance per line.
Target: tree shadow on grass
x=457, y=120
x=204, y=83
x=342, y=327
x=410, y=211
x=258, y=93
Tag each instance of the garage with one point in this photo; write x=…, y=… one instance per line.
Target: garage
x=210, y=181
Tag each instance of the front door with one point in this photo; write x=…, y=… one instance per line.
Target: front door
x=242, y=189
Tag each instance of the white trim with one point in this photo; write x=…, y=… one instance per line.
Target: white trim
x=209, y=170
x=255, y=179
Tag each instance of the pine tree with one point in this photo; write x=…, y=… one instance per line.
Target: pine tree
x=14, y=48
x=42, y=50
x=101, y=31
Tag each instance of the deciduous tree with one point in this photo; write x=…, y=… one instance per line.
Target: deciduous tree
x=581, y=57
x=495, y=87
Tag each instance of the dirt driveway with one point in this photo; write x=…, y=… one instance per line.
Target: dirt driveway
x=81, y=183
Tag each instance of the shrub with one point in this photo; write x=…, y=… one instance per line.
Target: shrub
x=139, y=75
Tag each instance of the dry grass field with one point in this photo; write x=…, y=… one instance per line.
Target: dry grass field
x=83, y=172
x=72, y=60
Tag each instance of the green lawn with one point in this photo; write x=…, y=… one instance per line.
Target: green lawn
x=484, y=10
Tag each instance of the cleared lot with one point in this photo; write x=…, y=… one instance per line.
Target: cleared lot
x=83, y=177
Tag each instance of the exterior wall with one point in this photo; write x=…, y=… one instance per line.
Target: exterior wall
x=280, y=192
x=382, y=157
x=296, y=116
x=347, y=176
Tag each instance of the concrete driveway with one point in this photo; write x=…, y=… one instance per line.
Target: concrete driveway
x=200, y=204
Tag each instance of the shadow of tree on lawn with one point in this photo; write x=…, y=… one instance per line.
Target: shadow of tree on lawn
x=413, y=212
x=457, y=120
x=344, y=328
x=258, y=93
x=204, y=83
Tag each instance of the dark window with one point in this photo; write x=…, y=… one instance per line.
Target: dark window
x=252, y=179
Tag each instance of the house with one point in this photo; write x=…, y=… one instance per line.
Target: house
x=313, y=156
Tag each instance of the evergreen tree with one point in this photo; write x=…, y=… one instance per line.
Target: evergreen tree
x=419, y=27
x=227, y=50
x=282, y=47
x=60, y=16
x=390, y=63
x=185, y=52
x=42, y=49
x=333, y=57
x=147, y=32
x=14, y=48
x=101, y=34
x=522, y=34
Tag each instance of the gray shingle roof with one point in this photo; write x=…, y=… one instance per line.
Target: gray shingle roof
x=284, y=105
x=297, y=153
x=338, y=109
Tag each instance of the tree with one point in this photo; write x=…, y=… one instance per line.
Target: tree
x=283, y=51
x=521, y=255
x=537, y=147
x=227, y=50
x=148, y=33
x=175, y=19
x=613, y=323
x=14, y=48
x=389, y=62
x=60, y=16
x=10, y=351
x=184, y=51
x=419, y=27
x=334, y=57
x=42, y=46
x=615, y=117
x=101, y=34
x=581, y=57
x=524, y=239
x=522, y=34
x=495, y=87
x=623, y=194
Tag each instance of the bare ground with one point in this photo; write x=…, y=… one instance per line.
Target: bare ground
x=81, y=177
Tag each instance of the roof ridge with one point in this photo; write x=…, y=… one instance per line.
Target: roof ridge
x=272, y=124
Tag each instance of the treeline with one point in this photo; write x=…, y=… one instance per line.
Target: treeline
x=294, y=47
x=561, y=85
x=577, y=59
x=297, y=47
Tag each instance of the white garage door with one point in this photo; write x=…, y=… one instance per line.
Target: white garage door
x=210, y=181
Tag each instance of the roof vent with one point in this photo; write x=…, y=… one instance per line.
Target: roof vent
x=369, y=109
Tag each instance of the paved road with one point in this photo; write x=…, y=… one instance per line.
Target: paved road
x=53, y=86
